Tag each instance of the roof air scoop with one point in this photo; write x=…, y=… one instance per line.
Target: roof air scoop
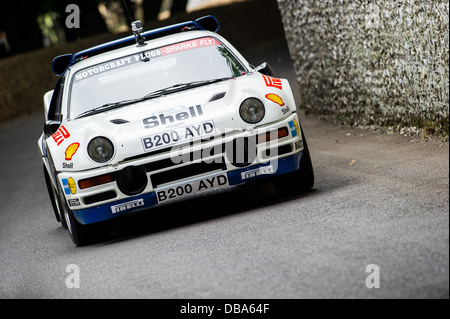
x=61, y=63
x=137, y=28
x=208, y=23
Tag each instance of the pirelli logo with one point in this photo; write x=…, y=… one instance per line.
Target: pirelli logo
x=265, y=170
x=126, y=206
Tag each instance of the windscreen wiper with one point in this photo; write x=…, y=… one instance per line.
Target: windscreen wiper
x=171, y=89
x=182, y=86
x=107, y=107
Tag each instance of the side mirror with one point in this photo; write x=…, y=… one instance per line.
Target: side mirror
x=50, y=127
x=47, y=100
x=265, y=68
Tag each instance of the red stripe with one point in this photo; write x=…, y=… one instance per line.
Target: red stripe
x=272, y=82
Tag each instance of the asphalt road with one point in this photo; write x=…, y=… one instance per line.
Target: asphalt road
x=378, y=199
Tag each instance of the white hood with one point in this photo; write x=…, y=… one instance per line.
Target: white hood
x=127, y=126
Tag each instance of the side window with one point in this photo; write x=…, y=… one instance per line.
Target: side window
x=54, y=111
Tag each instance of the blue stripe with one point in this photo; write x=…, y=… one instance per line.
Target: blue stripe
x=104, y=212
x=281, y=166
x=293, y=129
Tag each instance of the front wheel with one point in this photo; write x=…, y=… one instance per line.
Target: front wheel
x=299, y=181
x=80, y=234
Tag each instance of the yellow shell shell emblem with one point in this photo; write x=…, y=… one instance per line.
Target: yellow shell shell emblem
x=71, y=150
x=275, y=98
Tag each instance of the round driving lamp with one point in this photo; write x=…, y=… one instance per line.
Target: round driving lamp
x=100, y=149
x=252, y=110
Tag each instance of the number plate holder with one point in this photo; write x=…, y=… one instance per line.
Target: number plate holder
x=212, y=181
x=179, y=135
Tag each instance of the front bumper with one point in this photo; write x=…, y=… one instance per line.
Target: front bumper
x=179, y=172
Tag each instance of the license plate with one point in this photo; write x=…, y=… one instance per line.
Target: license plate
x=178, y=135
x=164, y=194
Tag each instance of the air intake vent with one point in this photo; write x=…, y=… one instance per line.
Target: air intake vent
x=217, y=97
x=118, y=121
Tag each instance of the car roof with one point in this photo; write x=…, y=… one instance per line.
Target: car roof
x=62, y=63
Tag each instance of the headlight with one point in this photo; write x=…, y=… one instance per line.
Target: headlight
x=100, y=149
x=252, y=111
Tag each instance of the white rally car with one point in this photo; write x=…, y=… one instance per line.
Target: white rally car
x=160, y=115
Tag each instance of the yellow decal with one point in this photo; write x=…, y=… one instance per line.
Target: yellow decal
x=275, y=98
x=297, y=128
x=72, y=185
x=71, y=150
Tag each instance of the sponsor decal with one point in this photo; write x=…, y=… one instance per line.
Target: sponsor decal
x=67, y=165
x=71, y=150
x=144, y=57
x=278, y=100
x=272, y=82
x=169, y=193
x=188, y=45
x=162, y=119
x=116, y=64
x=298, y=145
x=126, y=206
x=74, y=202
x=265, y=170
x=275, y=98
x=66, y=186
x=171, y=109
x=182, y=134
x=293, y=126
x=83, y=74
x=61, y=135
x=69, y=186
x=285, y=110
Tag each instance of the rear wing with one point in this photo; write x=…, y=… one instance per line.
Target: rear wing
x=61, y=63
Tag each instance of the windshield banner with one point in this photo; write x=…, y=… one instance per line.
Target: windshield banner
x=145, y=56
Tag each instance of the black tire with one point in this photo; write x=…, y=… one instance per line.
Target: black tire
x=54, y=199
x=299, y=181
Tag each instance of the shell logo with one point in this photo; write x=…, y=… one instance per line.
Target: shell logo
x=275, y=98
x=71, y=150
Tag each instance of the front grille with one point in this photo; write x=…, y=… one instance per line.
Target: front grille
x=99, y=197
x=277, y=151
x=177, y=159
x=239, y=152
x=187, y=171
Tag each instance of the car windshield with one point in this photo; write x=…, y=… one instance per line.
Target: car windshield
x=136, y=77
